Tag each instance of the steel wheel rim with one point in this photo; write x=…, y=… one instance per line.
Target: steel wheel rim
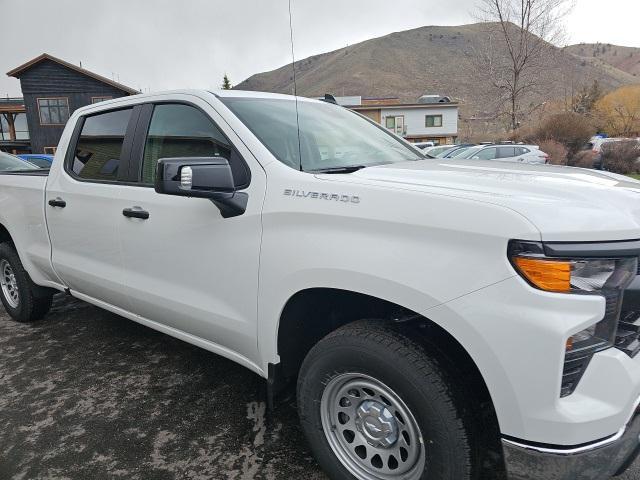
x=371, y=430
x=9, y=284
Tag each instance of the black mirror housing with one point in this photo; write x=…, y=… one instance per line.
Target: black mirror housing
x=194, y=177
x=202, y=177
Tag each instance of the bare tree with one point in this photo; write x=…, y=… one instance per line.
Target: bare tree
x=524, y=29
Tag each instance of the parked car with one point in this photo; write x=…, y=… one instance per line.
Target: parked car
x=435, y=317
x=12, y=163
x=42, y=160
x=424, y=145
x=435, y=151
x=529, y=154
x=456, y=150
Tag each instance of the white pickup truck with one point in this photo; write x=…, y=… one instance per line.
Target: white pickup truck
x=443, y=319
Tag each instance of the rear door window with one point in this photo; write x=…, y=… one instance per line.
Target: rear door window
x=506, y=152
x=99, y=147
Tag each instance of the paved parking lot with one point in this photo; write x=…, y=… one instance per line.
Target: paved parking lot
x=86, y=394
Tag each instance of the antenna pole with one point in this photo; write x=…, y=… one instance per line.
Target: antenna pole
x=295, y=85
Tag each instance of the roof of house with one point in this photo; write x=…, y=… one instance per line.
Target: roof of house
x=16, y=72
x=403, y=105
x=11, y=105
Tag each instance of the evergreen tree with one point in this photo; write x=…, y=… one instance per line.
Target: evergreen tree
x=226, y=83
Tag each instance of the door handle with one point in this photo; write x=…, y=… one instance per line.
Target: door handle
x=135, y=212
x=58, y=202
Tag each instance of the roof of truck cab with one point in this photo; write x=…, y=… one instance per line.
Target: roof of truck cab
x=252, y=94
x=142, y=97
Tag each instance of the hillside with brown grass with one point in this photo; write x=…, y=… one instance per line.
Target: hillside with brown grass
x=431, y=59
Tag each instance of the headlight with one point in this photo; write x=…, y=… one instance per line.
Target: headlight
x=607, y=277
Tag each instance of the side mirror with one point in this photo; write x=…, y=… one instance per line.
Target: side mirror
x=202, y=177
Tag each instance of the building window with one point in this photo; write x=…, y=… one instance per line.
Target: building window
x=13, y=126
x=50, y=150
x=433, y=121
x=53, y=111
x=100, y=99
x=396, y=124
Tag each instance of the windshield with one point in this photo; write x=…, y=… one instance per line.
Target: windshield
x=436, y=151
x=42, y=162
x=331, y=137
x=460, y=152
x=10, y=163
x=471, y=151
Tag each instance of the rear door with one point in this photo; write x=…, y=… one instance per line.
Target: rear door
x=507, y=154
x=80, y=205
x=185, y=265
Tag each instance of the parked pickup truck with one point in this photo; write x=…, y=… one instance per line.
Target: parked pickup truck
x=441, y=320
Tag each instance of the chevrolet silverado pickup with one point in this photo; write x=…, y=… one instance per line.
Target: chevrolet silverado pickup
x=438, y=319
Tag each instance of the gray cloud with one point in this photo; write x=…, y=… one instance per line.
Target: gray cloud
x=164, y=44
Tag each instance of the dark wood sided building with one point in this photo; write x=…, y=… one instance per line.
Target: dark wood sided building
x=52, y=90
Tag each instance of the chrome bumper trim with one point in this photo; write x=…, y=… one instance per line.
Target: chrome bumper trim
x=593, y=461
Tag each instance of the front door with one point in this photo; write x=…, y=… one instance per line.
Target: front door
x=185, y=265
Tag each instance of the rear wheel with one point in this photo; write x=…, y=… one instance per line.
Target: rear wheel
x=23, y=300
x=375, y=406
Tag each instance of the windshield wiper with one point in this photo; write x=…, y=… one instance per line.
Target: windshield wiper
x=349, y=169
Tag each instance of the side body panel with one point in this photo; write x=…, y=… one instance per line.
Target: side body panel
x=22, y=213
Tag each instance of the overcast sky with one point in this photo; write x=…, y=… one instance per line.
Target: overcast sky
x=164, y=44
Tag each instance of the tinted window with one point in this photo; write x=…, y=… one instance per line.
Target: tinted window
x=97, y=154
x=521, y=150
x=486, y=154
x=505, y=152
x=184, y=131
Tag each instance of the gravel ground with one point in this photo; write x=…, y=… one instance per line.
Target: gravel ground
x=85, y=394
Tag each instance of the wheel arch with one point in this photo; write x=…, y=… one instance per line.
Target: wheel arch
x=5, y=235
x=312, y=313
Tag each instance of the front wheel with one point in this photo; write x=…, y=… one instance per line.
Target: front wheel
x=375, y=406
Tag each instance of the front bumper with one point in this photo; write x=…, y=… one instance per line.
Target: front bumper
x=595, y=461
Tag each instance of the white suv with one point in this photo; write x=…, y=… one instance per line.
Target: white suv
x=530, y=154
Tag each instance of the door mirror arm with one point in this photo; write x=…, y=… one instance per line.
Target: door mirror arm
x=201, y=177
x=231, y=205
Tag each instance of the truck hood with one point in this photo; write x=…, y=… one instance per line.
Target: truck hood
x=564, y=203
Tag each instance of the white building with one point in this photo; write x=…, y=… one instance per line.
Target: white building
x=432, y=117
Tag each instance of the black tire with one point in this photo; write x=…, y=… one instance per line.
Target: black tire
x=33, y=301
x=371, y=348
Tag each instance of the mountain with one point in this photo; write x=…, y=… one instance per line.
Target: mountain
x=626, y=59
x=435, y=60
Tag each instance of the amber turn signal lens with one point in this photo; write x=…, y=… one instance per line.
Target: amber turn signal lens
x=550, y=275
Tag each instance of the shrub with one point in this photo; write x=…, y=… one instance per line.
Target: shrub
x=557, y=152
x=570, y=129
x=621, y=157
x=584, y=159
